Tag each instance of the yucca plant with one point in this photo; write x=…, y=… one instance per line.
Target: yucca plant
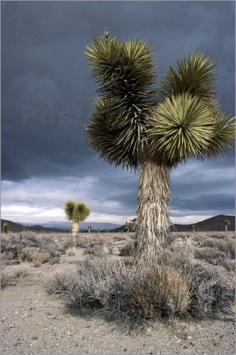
x=153, y=130
x=76, y=213
x=226, y=223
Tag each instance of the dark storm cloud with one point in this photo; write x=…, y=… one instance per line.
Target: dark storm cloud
x=47, y=91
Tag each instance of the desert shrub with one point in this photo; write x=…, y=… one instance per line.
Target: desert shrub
x=68, y=244
x=229, y=265
x=125, y=291
x=217, y=236
x=97, y=250
x=82, y=243
x=7, y=276
x=70, y=252
x=36, y=256
x=181, y=253
x=127, y=249
x=226, y=245
x=151, y=292
x=211, y=255
x=13, y=244
x=20, y=271
x=211, y=290
x=4, y=278
x=175, y=285
x=61, y=280
x=54, y=260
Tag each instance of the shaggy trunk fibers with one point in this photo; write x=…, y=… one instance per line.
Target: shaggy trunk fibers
x=153, y=223
x=75, y=230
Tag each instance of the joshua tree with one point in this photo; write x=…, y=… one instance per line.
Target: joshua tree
x=5, y=228
x=153, y=130
x=226, y=223
x=76, y=213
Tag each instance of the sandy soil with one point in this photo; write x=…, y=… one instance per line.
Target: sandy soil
x=32, y=322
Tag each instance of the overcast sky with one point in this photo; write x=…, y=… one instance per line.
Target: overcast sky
x=48, y=92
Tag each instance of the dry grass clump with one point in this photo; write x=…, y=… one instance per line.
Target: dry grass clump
x=70, y=251
x=127, y=249
x=54, y=260
x=20, y=271
x=98, y=250
x=211, y=255
x=61, y=280
x=36, y=256
x=8, y=275
x=4, y=278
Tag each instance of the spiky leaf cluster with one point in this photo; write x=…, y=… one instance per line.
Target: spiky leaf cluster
x=124, y=72
x=188, y=122
x=194, y=74
x=81, y=212
x=182, y=126
x=76, y=212
x=69, y=209
x=129, y=124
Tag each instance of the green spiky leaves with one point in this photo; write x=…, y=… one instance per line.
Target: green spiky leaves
x=81, y=212
x=185, y=126
x=69, y=208
x=181, y=126
x=117, y=137
x=223, y=136
x=194, y=74
x=125, y=75
x=129, y=124
x=76, y=212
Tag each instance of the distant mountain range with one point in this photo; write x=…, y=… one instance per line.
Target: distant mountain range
x=56, y=226
x=211, y=224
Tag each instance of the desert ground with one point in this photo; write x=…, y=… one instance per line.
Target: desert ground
x=34, y=320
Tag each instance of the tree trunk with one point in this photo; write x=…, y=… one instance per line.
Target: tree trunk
x=75, y=230
x=226, y=228
x=153, y=223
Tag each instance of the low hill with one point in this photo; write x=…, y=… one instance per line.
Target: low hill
x=215, y=223
x=18, y=227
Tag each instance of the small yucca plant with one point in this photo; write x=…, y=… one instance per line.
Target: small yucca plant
x=226, y=223
x=76, y=213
